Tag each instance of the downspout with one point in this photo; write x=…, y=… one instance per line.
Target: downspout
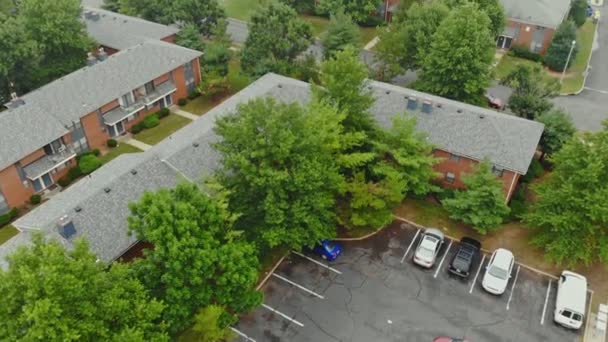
x=511, y=188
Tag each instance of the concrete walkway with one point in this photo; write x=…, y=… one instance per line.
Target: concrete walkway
x=140, y=145
x=181, y=112
x=371, y=43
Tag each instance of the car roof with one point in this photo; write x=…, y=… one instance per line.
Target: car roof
x=470, y=241
x=434, y=231
x=503, y=258
x=573, y=292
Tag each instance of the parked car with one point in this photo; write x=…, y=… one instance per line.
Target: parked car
x=498, y=271
x=328, y=250
x=571, y=300
x=467, y=253
x=428, y=248
x=449, y=339
x=495, y=102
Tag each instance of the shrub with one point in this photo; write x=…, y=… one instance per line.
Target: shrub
x=523, y=52
x=13, y=213
x=35, y=199
x=96, y=152
x=89, y=164
x=182, y=102
x=534, y=171
x=74, y=173
x=518, y=203
x=137, y=128
x=578, y=12
x=5, y=219
x=151, y=121
x=164, y=112
x=111, y=144
x=558, y=51
x=64, y=181
x=192, y=95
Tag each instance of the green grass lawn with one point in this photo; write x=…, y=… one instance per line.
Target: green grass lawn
x=167, y=126
x=573, y=81
x=241, y=9
x=122, y=148
x=319, y=24
x=508, y=64
x=7, y=232
x=367, y=34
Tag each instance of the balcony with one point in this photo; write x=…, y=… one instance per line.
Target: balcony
x=48, y=163
x=120, y=113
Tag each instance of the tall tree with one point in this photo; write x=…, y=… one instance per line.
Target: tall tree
x=359, y=10
x=190, y=37
x=341, y=32
x=570, y=215
x=578, y=12
x=458, y=63
x=559, y=129
x=557, y=53
x=532, y=90
x=493, y=8
x=205, y=14
x=278, y=164
x=49, y=293
x=276, y=37
x=403, y=43
x=197, y=259
x=207, y=325
x=154, y=10
x=482, y=203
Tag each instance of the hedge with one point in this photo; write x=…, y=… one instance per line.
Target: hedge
x=89, y=164
x=163, y=113
x=74, y=173
x=525, y=53
x=35, y=199
x=111, y=143
x=151, y=121
x=182, y=102
x=6, y=218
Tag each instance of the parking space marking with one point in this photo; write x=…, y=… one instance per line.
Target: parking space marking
x=298, y=286
x=317, y=262
x=513, y=287
x=240, y=333
x=442, y=259
x=410, y=246
x=542, y=318
x=282, y=315
x=477, y=273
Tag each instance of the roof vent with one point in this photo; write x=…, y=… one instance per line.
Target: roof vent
x=481, y=116
x=107, y=190
x=427, y=106
x=91, y=15
x=459, y=110
x=412, y=103
x=78, y=209
x=102, y=55
x=15, y=101
x=195, y=144
x=91, y=60
x=133, y=172
x=280, y=85
x=66, y=227
x=388, y=92
x=439, y=105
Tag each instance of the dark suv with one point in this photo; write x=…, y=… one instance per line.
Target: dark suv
x=462, y=262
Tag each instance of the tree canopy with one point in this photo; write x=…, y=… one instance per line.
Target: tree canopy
x=276, y=37
x=482, y=203
x=198, y=258
x=578, y=12
x=359, y=10
x=557, y=53
x=341, y=32
x=492, y=8
x=532, y=89
x=559, y=129
x=458, y=62
x=49, y=293
x=570, y=216
x=189, y=37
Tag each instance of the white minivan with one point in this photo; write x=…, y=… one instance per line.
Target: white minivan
x=571, y=300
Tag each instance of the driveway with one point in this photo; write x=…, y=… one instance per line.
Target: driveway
x=590, y=107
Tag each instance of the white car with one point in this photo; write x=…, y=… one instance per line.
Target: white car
x=571, y=301
x=498, y=271
x=428, y=248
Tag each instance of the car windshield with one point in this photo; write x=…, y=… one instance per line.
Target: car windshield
x=461, y=263
x=425, y=252
x=330, y=246
x=498, y=272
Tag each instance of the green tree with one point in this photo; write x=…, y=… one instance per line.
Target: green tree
x=559, y=129
x=458, y=63
x=482, y=203
x=205, y=14
x=359, y=10
x=279, y=166
x=578, y=12
x=276, y=37
x=403, y=43
x=213, y=84
x=532, y=90
x=557, y=53
x=207, y=326
x=197, y=259
x=159, y=11
x=341, y=32
x=570, y=215
x=493, y=8
x=301, y=6
x=190, y=37
x=49, y=293
x=216, y=58
x=111, y=5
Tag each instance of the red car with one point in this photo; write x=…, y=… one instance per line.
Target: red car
x=495, y=102
x=449, y=339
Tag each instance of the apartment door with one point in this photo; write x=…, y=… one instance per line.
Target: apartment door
x=504, y=42
x=120, y=128
x=43, y=182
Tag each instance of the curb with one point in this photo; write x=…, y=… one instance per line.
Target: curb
x=257, y=288
x=587, y=68
x=362, y=237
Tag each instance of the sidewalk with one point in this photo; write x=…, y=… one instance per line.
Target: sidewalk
x=181, y=112
x=140, y=145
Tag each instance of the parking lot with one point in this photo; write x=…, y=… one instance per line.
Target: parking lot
x=374, y=292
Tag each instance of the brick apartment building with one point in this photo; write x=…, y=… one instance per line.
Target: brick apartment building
x=42, y=132
x=531, y=23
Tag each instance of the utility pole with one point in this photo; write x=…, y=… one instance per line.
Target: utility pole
x=567, y=61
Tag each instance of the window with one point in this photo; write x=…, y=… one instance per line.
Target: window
x=168, y=100
x=53, y=147
x=150, y=87
x=127, y=100
x=454, y=157
x=20, y=172
x=450, y=177
x=78, y=137
x=498, y=171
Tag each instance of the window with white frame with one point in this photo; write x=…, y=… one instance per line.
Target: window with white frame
x=450, y=177
x=454, y=157
x=497, y=170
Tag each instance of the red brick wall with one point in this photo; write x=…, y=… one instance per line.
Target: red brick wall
x=12, y=188
x=197, y=70
x=525, y=37
x=179, y=80
x=94, y=131
x=110, y=51
x=162, y=79
x=465, y=165
x=170, y=39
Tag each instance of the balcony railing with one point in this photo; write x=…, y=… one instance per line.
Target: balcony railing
x=122, y=112
x=49, y=162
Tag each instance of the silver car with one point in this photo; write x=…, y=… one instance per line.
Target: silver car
x=428, y=248
x=498, y=271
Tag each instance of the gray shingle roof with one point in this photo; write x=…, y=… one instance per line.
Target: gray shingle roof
x=121, y=31
x=50, y=109
x=547, y=13
x=508, y=141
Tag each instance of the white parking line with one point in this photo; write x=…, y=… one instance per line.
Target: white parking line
x=442, y=259
x=298, y=286
x=477, y=274
x=410, y=246
x=542, y=318
x=282, y=315
x=316, y=262
x=513, y=286
x=240, y=333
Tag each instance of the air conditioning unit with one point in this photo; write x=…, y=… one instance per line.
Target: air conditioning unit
x=61, y=149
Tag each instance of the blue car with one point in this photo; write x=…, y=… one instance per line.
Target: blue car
x=328, y=250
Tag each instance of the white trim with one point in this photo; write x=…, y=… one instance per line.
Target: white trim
x=122, y=118
x=511, y=188
x=51, y=169
x=162, y=96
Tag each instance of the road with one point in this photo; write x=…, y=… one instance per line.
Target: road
x=590, y=107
